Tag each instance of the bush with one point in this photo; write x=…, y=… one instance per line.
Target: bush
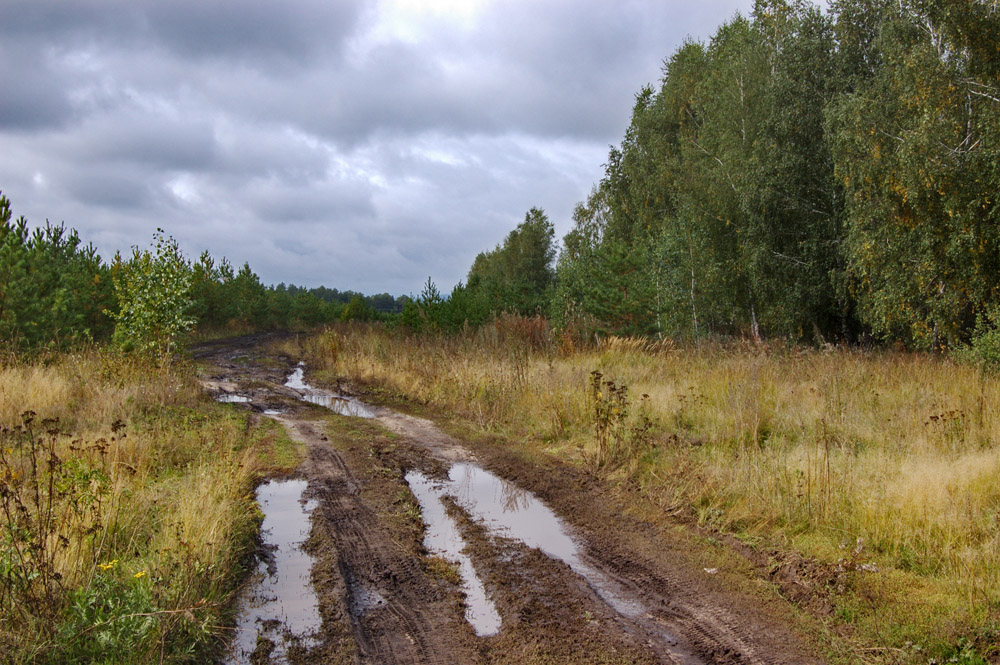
x=984, y=346
x=154, y=296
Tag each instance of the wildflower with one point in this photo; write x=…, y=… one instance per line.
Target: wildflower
x=140, y=574
x=109, y=565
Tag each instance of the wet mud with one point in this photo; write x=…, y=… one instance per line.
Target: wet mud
x=426, y=549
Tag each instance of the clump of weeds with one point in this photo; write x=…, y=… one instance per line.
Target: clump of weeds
x=622, y=437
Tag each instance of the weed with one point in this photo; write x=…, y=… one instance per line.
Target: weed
x=621, y=437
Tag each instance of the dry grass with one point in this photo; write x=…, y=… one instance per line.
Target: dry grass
x=143, y=515
x=810, y=450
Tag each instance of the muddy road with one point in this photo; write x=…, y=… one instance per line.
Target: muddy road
x=425, y=549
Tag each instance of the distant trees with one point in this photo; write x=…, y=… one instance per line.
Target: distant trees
x=55, y=291
x=518, y=275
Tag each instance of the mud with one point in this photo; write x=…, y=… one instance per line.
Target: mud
x=572, y=577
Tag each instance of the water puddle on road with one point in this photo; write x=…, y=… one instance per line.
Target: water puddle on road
x=518, y=514
x=279, y=604
x=341, y=404
x=443, y=538
x=510, y=512
x=232, y=398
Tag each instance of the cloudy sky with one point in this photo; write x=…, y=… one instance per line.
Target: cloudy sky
x=358, y=144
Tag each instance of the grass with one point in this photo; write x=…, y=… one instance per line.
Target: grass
x=880, y=467
x=126, y=510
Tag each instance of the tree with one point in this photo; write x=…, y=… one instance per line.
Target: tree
x=153, y=290
x=53, y=289
x=916, y=146
x=518, y=275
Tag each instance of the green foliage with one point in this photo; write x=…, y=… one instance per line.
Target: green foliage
x=916, y=148
x=53, y=289
x=983, y=348
x=357, y=310
x=110, y=620
x=154, y=298
x=432, y=312
x=964, y=653
x=517, y=276
x=803, y=174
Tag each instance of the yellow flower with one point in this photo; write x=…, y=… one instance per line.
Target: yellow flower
x=109, y=565
x=140, y=574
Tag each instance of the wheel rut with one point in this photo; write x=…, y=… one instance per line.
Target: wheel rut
x=384, y=599
x=397, y=614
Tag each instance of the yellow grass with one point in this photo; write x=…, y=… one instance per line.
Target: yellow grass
x=153, y=496
x=811, y=450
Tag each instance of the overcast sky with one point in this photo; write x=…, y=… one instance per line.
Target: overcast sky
x=360, y=145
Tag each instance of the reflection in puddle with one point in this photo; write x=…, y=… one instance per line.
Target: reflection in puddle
x=443, y=538
x=232, y=398
x=280, y=603
x=514, y=513
x=345, y=406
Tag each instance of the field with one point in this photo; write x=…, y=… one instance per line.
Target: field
x=880, y=468
x=849, y=497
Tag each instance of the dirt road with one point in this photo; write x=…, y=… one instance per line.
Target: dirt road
x=569, y=577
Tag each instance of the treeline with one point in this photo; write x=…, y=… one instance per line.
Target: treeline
x=805, y=174
x=818, y=176
x=808, y=175
x=55, y=291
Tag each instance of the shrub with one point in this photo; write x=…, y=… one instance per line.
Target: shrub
x=154, y=296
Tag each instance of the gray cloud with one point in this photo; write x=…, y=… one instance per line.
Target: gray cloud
x=40, y=99
x=354, y=144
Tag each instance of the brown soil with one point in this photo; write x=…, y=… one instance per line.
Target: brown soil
x=383, y=599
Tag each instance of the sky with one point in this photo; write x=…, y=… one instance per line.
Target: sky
x=359, y=145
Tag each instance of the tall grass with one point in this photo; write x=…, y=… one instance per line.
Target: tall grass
x=883, y=463
x=127, y=511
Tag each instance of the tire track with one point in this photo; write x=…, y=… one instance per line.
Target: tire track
x=412, y=621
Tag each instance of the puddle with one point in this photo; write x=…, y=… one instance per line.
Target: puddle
x=511, y=512
x=279, y=604
x=443, y=538
x=273, y=412
x=517, y=514
x=232, y=398
x=514, y=513
x=341, y=404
